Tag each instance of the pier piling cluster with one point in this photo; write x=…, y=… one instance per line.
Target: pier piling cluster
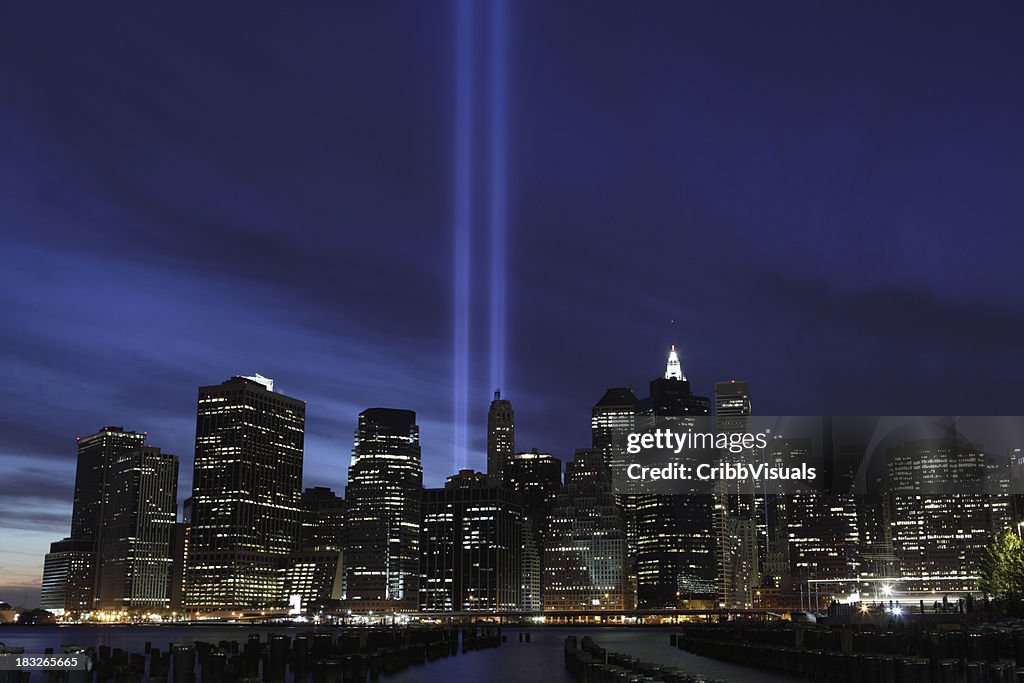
x=321, y=657
x=589, y=663
x=844, y=654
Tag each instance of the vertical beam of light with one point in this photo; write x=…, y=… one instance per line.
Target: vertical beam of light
x=499, y=188
x=463, y=215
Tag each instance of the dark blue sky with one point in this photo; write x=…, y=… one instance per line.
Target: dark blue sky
x=826, y=200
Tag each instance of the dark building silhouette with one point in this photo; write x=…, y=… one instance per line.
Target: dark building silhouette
x=471, y=543
x=323, y=519
x=536, y=477
x=179, y=556
x=92, y=492
x=501, y=434
x=246, y=494
x=314, y=577
x=383, y=497
x=136, y=552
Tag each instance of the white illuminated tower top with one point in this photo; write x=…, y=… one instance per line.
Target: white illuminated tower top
x=269, y=383
x=674, y=370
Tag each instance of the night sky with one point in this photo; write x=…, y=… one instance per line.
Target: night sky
x=825, y=200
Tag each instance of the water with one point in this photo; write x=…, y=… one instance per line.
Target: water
x=539, y=661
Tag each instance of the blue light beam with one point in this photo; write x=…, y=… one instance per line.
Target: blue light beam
x=499, y=189
x=463, y=217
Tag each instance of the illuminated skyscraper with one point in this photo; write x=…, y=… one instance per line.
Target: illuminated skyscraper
x=501, y=434
x=96, y=452
x=136, y=552
x=736, y=517
x=246, y=495
x=92, y=478
x=585, y=555
x=732, y=406
x=611, y=419
x=822, y=536
x=69, y=572
x=942, y=517
x=471, y=542
x=674, y=556
x=674, y=370
x=383, y=498
x=536, y=477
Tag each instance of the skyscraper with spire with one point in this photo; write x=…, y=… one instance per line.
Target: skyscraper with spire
x=674, y=554
x=674, y=370
x=501, y=434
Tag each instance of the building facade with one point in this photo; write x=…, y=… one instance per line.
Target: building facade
x=136, y=553
x=69, y=573
x=675, y=543
x=472, y=546
x=585, y=554
x=741, y=537
x=941, y=516
x=383, y=498
x=536, y=477
x=246, y=495
x=501, y=434
x=89, y=516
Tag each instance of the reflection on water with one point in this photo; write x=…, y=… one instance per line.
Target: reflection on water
x=539, y=661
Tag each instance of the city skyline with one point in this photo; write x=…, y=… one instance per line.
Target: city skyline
x=246, y=531
x=774, y=193
x=142, y=441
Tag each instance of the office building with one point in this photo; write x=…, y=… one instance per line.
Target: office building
x=136, y=552
x=383, y=498
x=323, y=519
x=314, y=578
x=471, y=543
x=92, y=478
x=501, y=434
x=941, y=516
x=246, y=495
x=675, y=544
x=739, y=515
x=585, y=554
x=69, y=573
